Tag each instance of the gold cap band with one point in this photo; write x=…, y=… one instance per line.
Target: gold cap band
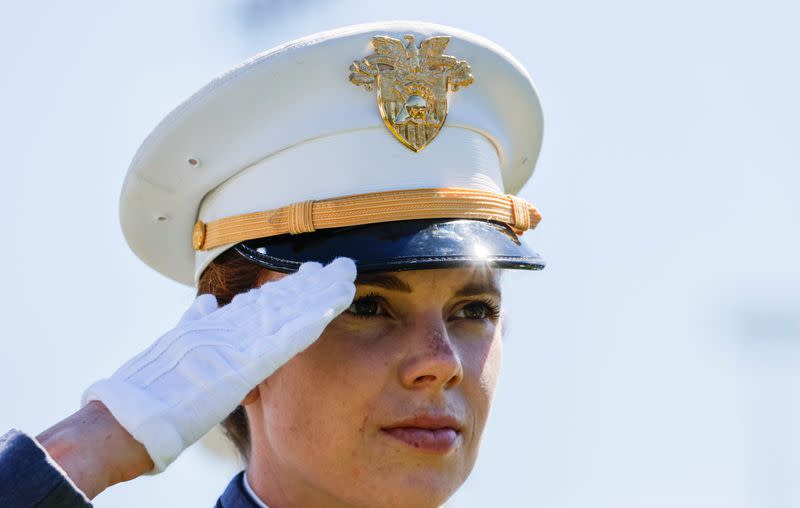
x=372, y=208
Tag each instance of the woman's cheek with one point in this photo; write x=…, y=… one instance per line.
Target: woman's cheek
x=352, y=357
x=477, y=339
x=481, y=354
x=343, y=376
x=491, y=368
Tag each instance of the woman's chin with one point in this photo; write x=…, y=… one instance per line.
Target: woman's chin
x=420, y=478
x=417, y=489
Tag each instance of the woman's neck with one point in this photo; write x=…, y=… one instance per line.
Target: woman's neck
x=278, y=487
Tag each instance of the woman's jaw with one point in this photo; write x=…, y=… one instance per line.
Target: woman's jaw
x=387, y=408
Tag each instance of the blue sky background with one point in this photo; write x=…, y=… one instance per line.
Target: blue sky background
x=655, y=362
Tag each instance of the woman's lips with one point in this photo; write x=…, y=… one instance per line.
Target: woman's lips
x=430, y=440
x=435, y=435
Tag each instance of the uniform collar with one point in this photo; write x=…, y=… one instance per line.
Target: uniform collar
x=238, y=494
x=250, y=492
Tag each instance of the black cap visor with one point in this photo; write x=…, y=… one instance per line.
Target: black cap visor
x=394, y=246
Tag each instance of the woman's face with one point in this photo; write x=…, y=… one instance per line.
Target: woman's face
x=388, y=406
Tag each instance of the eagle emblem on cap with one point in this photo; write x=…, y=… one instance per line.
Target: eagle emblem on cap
x=412, y=84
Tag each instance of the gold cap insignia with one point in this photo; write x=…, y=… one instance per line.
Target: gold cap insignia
x=412, y=84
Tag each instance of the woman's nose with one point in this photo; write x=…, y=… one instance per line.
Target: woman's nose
x=432, y=361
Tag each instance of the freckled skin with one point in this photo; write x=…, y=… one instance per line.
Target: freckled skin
x=317, y=422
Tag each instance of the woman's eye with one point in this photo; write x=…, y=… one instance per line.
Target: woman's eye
x=366, y=307
x=479, y=310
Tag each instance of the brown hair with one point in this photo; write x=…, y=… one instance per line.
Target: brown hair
x=226, y=276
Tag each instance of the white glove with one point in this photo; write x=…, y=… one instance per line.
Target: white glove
x=190, y=379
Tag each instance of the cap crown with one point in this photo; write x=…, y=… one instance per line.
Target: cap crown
x=288, y=125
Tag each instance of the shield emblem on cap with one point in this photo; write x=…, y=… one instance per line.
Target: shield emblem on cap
x=412, y=84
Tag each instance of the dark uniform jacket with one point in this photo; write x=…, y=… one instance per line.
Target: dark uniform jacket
x=28, y=479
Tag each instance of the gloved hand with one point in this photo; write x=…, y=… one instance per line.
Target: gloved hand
x=190, y=379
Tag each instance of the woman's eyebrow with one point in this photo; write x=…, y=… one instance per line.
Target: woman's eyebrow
x=383, y=281
x=479, y=288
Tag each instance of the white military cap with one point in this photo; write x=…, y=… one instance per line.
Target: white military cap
x=400, y=144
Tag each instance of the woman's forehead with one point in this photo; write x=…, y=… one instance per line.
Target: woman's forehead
x=476, y=279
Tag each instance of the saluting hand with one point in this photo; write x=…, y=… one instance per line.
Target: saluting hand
x=190, y=379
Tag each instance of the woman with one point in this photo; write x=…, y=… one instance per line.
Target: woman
x=364, y=377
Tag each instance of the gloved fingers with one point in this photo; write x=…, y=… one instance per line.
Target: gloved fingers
x=344, y=266
x=336, y=297
x=242, y=303
x=333, y=287
x=340, y=269
x=296, y=335
x=312, y=274
x=311, y=278
x=302, y=322
x=277, y=288
x=202, y=306
x=260, y=311
x=292, y=290
x=311, y=286
x=309, y=267
x=244, y=298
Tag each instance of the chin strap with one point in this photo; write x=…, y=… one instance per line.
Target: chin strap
x=372, y=208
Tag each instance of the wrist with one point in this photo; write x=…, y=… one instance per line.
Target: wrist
x=95, y=450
